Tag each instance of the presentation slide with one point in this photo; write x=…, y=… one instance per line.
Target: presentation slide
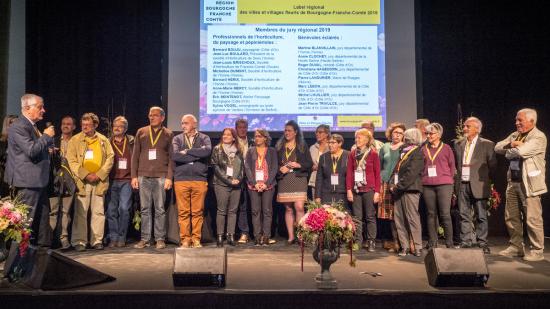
x=313, y=61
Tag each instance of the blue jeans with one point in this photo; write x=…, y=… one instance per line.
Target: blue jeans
x=151, y=190
x=118, y=209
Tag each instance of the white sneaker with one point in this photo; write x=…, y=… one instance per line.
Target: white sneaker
x=534, y=256
x=512, y=251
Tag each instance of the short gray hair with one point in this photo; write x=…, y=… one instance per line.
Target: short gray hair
x=157, y=108
x=434, y=126
x=530, y=113
x=27, y=97
x=477, y=121
x=190, y=116
x=413, y=136
x=121, y=119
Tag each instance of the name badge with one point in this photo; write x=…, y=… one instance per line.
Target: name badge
x=514, y=165
x=259, y=175
x=359, y=175
x=432, y=172
x=89, y=155
x=229, y=171
x=334, y=179
x=122, y=164
x=152, y=154
x=395, y=179
x=465, y=173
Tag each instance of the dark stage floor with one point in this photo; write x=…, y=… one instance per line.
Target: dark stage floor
x=255, y=271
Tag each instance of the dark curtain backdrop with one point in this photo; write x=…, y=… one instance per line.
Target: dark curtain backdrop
x=96, y=56
x=491, y=58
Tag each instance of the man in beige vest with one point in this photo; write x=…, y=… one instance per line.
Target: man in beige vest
x=525, y=149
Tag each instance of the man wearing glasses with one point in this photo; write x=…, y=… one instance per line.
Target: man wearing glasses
x=28, y=165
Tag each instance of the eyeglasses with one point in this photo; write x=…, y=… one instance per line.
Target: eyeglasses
x=333, y=142
x=431, y=133
x=397, y=132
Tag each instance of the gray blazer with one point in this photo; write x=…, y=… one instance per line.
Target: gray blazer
x=28, y=162
x=482, y=166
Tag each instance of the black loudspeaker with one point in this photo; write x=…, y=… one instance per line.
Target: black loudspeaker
x=205, y=267
x=456, y=267
x=45, y=269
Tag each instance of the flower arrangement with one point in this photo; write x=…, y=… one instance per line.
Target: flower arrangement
x=327, y=226
x=494, y=200
x=14, y=223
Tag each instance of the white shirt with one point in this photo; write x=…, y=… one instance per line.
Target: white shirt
x=467, y=156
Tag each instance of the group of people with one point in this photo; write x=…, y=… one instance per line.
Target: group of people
x=376, y=181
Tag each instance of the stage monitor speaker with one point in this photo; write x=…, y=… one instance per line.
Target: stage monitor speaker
x=205, y=267
x=46, y=269
x=456, y=267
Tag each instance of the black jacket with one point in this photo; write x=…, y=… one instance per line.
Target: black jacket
x=220, y=161
x=324, y=172
x=250, y=166
x=302, y=156
x=410, y=173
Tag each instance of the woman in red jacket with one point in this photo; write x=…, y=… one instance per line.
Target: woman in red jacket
x=363, y=185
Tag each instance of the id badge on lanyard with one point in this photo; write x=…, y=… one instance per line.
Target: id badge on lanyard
x=465, y=172
x=259, y=175
x=229, y=171
x=359, y=175
x=334, y=179
x=152, y=154
x=89, y=155
x=122, y=164
x=432, y=171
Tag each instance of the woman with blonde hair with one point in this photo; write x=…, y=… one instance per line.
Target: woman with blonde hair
x=363, y=185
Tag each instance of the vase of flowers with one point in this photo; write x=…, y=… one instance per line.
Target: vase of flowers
x=326, y=228
x=14, y=225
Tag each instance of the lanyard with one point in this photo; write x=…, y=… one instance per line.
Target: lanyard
x=521, y=138
x=188, y=141
x=261, y=157
x=436, y=153
x=468, y=145
x=405, y=157
x=358, y=163
x=153, y=143
x=335, y=163
x=289, y=153
x=123, y=147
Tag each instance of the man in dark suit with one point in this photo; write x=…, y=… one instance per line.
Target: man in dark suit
x=475, y=159
x=28, y=165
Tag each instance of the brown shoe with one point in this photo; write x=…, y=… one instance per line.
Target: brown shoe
x=141, y=244
x=160, y=244
x=120, y=244
x=197, y=243
x=185, y=244
x=112, y=244
x=243, y=239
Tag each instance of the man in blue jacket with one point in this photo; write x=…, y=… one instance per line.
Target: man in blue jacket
x=28, y=165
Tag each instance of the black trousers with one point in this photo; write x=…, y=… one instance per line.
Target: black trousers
x=363, y=208
x=438, y=201
x=37, y=199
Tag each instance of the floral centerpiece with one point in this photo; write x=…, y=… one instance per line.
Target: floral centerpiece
x=14, y=223
x=327, y=227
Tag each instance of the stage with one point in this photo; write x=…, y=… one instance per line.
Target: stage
x=271, y=277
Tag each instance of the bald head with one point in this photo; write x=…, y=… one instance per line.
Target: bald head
x=189, y=124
